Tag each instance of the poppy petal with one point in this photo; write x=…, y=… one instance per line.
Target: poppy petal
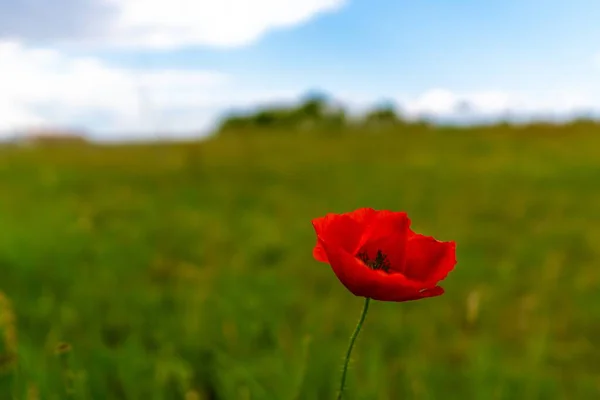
x=422, y=294
x=363, y=281
x=339, y=229
x=363, y=216
x=429, y=260
x=388, y=233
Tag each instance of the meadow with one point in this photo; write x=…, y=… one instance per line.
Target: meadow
x=185, y=270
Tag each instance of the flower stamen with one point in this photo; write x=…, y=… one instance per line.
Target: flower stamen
x=379, y=263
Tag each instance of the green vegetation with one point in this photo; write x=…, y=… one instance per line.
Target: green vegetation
x=184, y=271
x=316, y=112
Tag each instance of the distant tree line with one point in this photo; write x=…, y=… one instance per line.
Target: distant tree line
x=318, y=112
x=314, y=112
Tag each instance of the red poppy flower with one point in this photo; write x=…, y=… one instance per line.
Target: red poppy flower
x=375, y=254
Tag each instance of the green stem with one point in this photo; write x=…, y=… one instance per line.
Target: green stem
x=349, y=352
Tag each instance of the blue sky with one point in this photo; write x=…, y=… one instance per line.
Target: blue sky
x=526, y=57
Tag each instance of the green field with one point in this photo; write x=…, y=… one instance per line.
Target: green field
x=185, y=271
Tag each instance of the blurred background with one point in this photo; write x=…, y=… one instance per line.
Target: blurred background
x=161, y=162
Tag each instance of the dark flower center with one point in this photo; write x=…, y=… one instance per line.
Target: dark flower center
x=379, y=263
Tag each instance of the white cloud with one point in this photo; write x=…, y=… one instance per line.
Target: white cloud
x=41, y=87
x=44, y=87
x=159, y=23
x=445, y=103
x=441, y=101
x=155, y=23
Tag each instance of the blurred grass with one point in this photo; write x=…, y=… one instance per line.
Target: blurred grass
x=184, y=271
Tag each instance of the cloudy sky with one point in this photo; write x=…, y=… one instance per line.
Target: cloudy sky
x=137, y=67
